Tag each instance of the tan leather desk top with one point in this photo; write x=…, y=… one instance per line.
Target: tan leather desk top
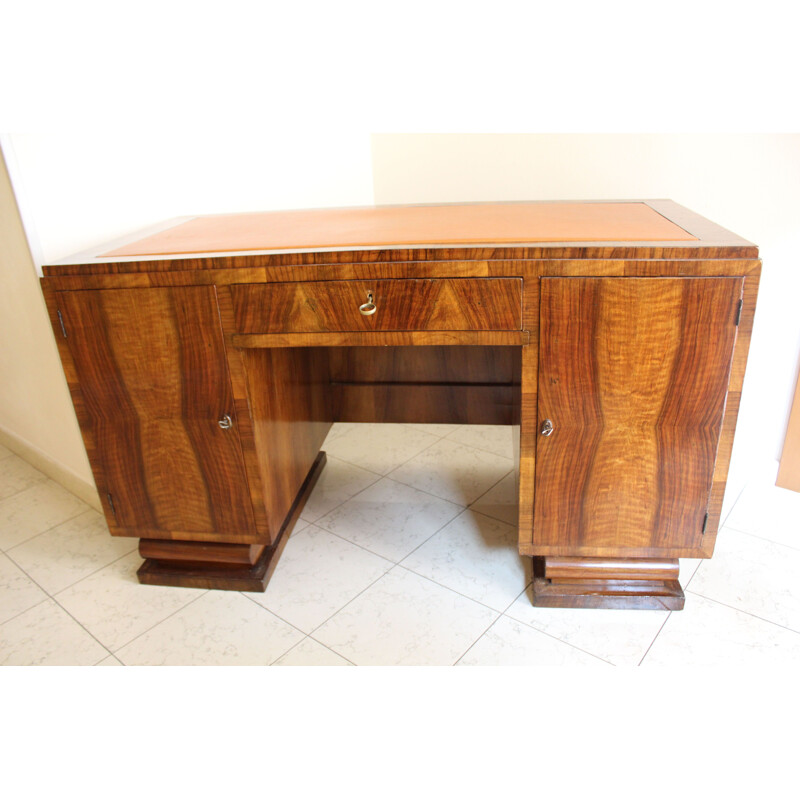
x=411, y=225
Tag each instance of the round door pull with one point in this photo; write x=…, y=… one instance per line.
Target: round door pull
x=226, y=423
x=547, y=428
x=369, y=307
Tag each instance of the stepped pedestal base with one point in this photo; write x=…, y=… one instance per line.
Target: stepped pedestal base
x=203, y=565
x=607, y=583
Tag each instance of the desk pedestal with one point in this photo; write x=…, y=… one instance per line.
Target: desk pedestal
x=607, y=583
x=239, y=567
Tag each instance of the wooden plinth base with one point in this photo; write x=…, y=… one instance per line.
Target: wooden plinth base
x=222, y=566
x=607, y=583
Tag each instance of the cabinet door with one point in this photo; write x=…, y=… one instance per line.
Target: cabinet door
x=154, y=385
x=633, y=375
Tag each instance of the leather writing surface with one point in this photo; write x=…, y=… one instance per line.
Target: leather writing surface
x=412, y=225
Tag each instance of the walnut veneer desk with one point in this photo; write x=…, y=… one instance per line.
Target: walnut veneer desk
x=208, y=359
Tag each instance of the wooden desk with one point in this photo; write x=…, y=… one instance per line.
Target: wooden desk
x=208, y=359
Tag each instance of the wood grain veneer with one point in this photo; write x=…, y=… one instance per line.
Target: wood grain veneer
x=381, y=339
x=151, y=371
x=290, y=410
x=423, y=304
x=616, y=320
x=634, y=376
x=455, y=384
x=197, y=568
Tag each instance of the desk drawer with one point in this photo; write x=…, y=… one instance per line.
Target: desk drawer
x=426, y=304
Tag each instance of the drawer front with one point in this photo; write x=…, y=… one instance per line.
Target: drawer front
x=428, y=304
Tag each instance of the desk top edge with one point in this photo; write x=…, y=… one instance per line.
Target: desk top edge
x=699, y=237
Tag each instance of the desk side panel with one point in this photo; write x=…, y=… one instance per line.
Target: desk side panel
x=290, y=412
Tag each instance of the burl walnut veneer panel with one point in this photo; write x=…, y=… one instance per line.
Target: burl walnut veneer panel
x=424, y=304
x=152, y=372
x=633, y=374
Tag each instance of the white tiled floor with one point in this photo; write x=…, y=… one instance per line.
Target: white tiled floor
x=405, y=554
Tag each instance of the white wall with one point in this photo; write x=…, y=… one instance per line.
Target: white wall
x=747, y=183
x=36, y=416
x=82, y=188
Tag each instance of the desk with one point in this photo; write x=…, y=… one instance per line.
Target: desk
x=208, y=358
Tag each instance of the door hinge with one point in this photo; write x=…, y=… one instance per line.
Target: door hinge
x=739, y=312
x=111, y=504
x=705, y=523
x=61, y=322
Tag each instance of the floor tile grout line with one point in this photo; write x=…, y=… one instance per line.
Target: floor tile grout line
x=351, y=463
x=394, y=469
x=724, y=520
x=291, y=647
x=29, y=577
x=497, y=483
x=449, y=588
x=439, y=497
x=427, y=447
x=76, y=582
x=742, y=611
x=360, y=491
x=686, y=583
x=425, y=491
x=305, y=519
x=52, y=527
x=502, y=614
x=356, y=544
x=26, y=610
x=394, y=563
x=438, y=439
x=493, y=518
x=308, y=636
x=658, y=633
x=351, y=600
x=438, y=530
x=327, y=647
x=35, y=483
x=311, y=634
x=99, y=569
x=553, y=636
x=400, y=563
x=485, y=631
x=755, y=536
x=115, y=651
x=355, y=597
x=462, y=509
x=475, y=447
x=422, y=425
x=81, y=625
x=285, y=652
x=246, y=595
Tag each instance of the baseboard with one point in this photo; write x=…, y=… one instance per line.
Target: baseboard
x=58, y=472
